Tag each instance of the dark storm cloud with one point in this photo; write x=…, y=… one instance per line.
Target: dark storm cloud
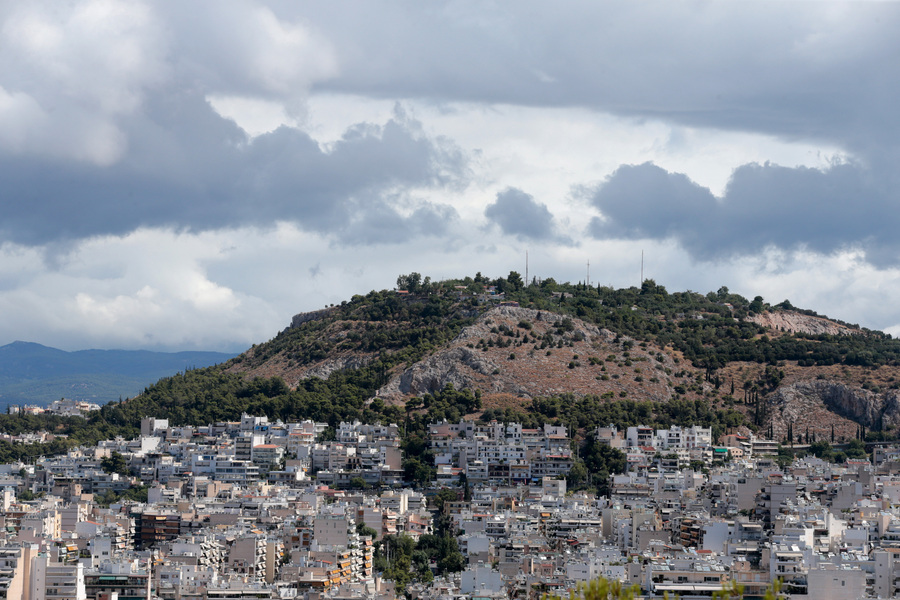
x=105, y=128
x=377, y=222
x=519, y=214
x=824, y=71
x=763, y=205
x=186, y=167
x=812, y=72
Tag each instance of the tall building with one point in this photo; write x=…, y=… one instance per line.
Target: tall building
x=52, y=580
x=15, y=571
x=151, y=528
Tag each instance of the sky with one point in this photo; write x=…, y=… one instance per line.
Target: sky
x=186, y=176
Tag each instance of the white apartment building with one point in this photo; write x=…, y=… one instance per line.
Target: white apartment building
x=51, y=580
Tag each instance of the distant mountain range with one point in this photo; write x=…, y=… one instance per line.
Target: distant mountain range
x=34, y=374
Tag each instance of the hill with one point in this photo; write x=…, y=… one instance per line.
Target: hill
x=34, y=374
x=548, y=352
x=644, y=344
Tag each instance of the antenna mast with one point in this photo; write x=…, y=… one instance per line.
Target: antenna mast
x=526, y=269
x=642, y=268
x=589, y=273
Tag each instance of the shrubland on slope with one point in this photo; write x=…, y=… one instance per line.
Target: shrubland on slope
x=784, y=368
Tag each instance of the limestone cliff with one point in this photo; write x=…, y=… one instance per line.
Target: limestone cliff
x=794, y=322
x=799, y=402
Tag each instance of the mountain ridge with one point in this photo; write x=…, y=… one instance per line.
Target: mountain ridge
x=33, y=373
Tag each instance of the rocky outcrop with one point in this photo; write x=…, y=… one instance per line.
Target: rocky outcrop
x=514, y=314
x=529, y=353
x=293, y=373
x=324, y=369
x=457, y=366
x=871, y=409
x=794, y=322
x=301, y=318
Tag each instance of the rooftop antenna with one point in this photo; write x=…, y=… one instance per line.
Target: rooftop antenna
x=642, y=268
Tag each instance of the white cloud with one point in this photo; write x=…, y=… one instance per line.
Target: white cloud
x=255, y=116
x=146, y=289
x=72, y=71
x=105, y=53
x=294, y=56
x=227, y=290
x=548, y=151
x=242, y=48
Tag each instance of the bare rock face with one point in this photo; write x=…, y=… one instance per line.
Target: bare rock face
x=872, y=409
x=324, y=369
x=529, y=353
x=456, y=366
x=795, y=322
x=301, y=318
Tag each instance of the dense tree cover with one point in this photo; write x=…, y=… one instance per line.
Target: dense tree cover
x=593, y=466
x=709, y=329
x=401, y=329
x=115, y=463
x=136, y=493
x=824, y=450
x=363, y=529
x=404, y=560
x=71, y=432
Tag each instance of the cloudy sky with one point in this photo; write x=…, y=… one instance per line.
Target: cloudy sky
x=179, y=176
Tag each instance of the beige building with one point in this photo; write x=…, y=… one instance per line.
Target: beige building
x=15, y=572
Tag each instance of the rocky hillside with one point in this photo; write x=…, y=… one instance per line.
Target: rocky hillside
x=567, y=354
x=780, y=367
x=256, y=363
x=530, y=353
x=802, y=404
x=813, y=399
x=786, y=321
